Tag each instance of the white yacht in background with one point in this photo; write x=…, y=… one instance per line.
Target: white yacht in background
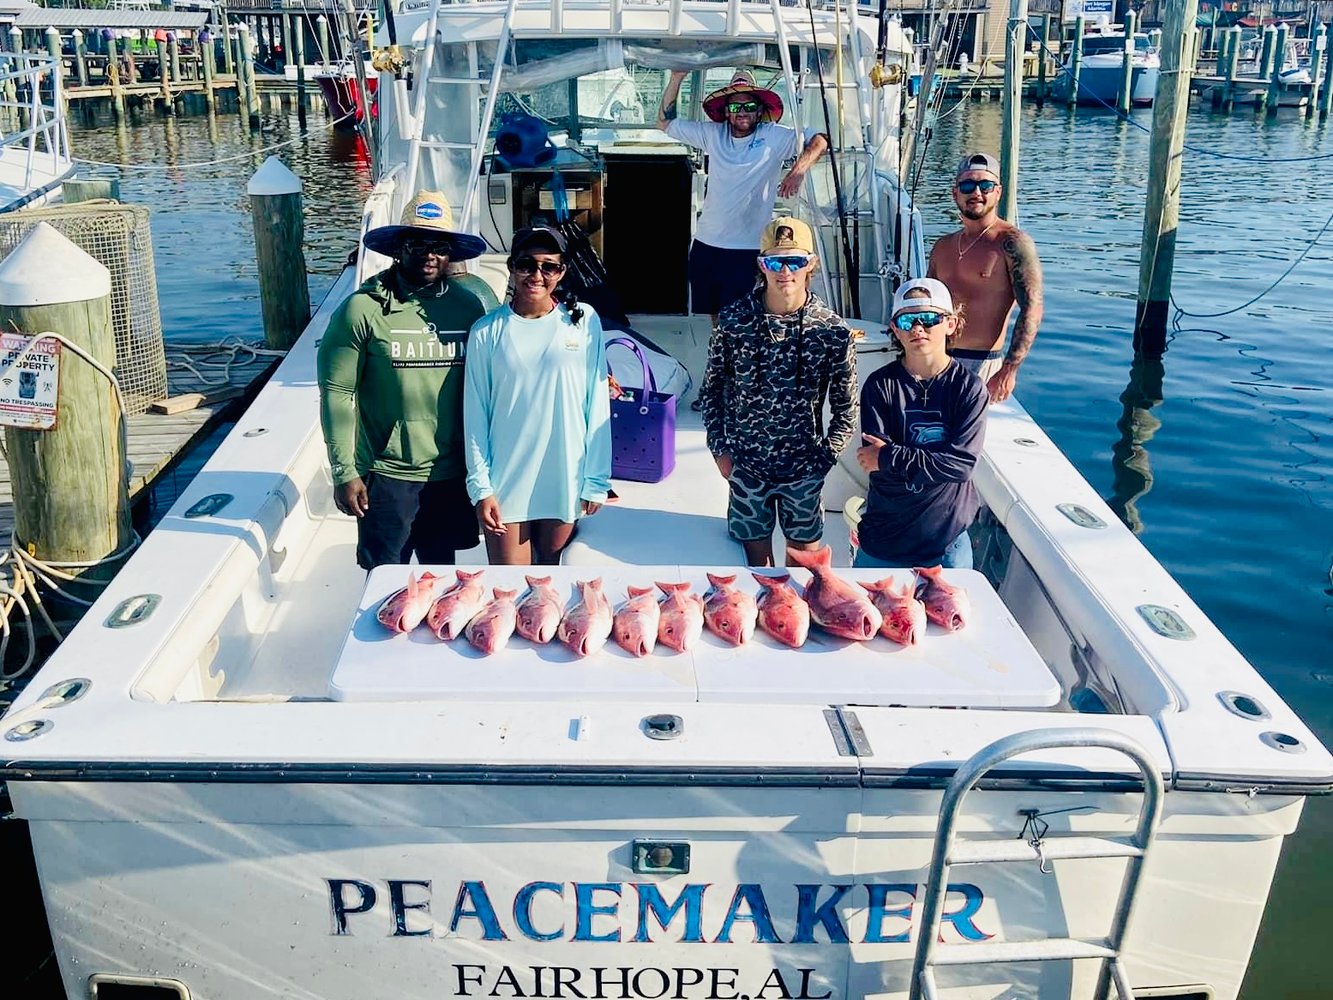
x=1101, y=69
x=239, y=786
x=34, y=137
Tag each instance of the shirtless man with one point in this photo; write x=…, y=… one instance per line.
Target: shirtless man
x=989, y=266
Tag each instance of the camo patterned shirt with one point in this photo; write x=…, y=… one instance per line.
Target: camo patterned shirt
x=767, y=378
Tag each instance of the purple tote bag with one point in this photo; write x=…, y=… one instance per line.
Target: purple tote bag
x=643, y=427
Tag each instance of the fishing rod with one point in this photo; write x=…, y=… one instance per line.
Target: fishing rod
x=853, y=267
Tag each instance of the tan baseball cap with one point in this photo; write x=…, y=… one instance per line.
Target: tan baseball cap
x=787, y=233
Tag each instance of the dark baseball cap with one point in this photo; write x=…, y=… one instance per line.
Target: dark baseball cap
x=978, y=161
x=537, y=239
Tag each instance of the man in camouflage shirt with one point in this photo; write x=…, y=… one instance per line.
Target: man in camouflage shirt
x=773, y=357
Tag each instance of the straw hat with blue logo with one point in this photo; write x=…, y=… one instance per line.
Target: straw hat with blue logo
x=427, y=216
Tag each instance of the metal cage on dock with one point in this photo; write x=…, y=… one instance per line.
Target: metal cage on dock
x=118, y=236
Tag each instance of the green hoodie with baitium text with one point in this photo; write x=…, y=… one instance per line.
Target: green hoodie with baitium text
x=391, y=380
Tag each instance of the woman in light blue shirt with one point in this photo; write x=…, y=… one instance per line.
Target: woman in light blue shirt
x=536, y=410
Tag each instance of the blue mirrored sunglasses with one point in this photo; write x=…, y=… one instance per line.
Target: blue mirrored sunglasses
x=776, y=264
x=987, y=186
x=928, y=319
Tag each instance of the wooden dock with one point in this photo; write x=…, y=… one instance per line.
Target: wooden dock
x=157, y=440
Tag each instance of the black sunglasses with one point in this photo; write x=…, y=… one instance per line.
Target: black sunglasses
x=527, y=265
x=420, y=248
x=987, y=186
x=735, y=107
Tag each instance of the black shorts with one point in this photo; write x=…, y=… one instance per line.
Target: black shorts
x=433, y=520
x=719, y=277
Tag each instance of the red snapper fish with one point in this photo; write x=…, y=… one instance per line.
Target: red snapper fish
x=682, y=620
x=540, y=610
x=403, y=610
x=904, y=615
x=782, y=612
x=946, y=604
x=493, y=624
x=835, y=605
x=457, y=606
x=635, y=627
x=729, y=613
x=587, y=625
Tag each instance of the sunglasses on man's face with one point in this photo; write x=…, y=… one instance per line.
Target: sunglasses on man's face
x=422, y=248
x=747, y=107
x=927, y=318
x=778, y=264
x=986, y=187
x=527, y=265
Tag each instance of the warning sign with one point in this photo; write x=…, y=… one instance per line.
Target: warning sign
x=29, y=381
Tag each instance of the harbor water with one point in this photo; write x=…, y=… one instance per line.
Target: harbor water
x=1221, y=457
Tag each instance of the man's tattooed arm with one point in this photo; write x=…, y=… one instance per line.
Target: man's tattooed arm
x=1025, y=275
x=667, y=111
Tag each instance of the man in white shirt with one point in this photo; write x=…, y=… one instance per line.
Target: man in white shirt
x=746, y=149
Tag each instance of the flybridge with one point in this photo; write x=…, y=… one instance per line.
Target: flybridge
x=640, y=912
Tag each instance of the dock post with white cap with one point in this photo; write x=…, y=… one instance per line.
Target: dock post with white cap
x=70, y=480
x=275, y=206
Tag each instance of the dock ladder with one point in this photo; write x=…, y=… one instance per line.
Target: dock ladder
x=930, y=953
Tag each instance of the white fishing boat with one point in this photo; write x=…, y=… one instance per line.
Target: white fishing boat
x=1101, y=69
x=238, y=786
x=34, y=137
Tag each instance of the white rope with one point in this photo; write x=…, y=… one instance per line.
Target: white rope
x=230, y=349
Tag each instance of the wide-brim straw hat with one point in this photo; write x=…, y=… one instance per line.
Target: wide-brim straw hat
x=428, y=216
x=742, y=85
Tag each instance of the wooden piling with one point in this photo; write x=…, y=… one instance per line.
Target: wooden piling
x=70, y=483
x=1126, y=95
x=1041, y=58
x=1157, y=253
x=1266, y=53
x=1229, y=72
x=80, y=57
x=207, y=54
x=113, y=77
x=246, y=65
x=322, y=25
x=1223, y=42
x=275, y=206
x=1275, y=80
x=164, y=77
x=174, y=54
x=1326, y=94
x=1317, y=56
x=228, y=53
x=1014, y=47
x=298, y=39
x=1076, y=60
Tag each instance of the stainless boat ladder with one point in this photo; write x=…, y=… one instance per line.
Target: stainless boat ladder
x=930, y=953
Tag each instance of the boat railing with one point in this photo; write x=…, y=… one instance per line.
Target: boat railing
x=33, y=128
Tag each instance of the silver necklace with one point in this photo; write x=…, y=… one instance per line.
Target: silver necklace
x=976, y=241
x=923, y=385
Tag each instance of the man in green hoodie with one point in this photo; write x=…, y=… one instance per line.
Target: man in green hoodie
x=391, y=393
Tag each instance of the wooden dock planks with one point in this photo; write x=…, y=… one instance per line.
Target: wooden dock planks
x=158, y=440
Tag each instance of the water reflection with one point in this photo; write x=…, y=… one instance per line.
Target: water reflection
x=1131, y=464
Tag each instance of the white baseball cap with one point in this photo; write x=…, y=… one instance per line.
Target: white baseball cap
x=937, y=296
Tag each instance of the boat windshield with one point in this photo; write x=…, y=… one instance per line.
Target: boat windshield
x=1114, y=43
